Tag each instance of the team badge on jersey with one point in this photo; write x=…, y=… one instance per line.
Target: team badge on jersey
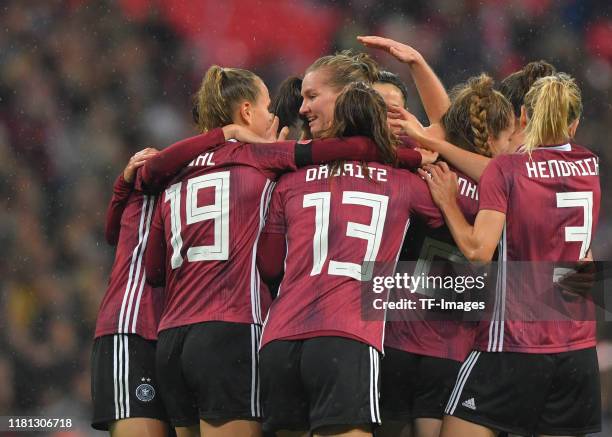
x=145, y=392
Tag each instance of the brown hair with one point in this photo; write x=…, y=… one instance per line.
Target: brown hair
x=286, y=106
x=516, y=85
x=552, y=104
x=476, y=112
x=346, y=67
x=221, y=90
x=361, y=111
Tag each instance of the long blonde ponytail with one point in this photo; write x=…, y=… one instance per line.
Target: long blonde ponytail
x=552, y=104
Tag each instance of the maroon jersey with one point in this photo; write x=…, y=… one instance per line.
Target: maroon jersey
x=205, y=232
x=333, y=225
x=436, y=338
x=130, y=305
x=551, y=200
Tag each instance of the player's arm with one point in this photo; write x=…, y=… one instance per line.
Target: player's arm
x=478, y=242
x=410, y=154
x=272, y=248
x=285, y=156
x=404, y=123
x=271, y=251
x=157, y=172
x=433, y=95
x=122, y=189
x=155, y=255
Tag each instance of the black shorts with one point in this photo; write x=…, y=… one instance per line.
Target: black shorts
x=322, y=381
x=415, y=386
x=525, y=394
x=123, y=382
x=209, y=371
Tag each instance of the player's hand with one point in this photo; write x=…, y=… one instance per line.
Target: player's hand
x=273, y=134
x=402, y=52
x=427, y=156
x=403, y=122
x=580, y=280
x=442, y=183
x=138, y=160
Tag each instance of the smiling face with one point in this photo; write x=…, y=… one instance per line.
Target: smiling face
x=319, y=101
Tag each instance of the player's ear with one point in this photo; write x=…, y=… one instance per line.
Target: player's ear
x=573, y=127
x=246, y=112
x=523, y=118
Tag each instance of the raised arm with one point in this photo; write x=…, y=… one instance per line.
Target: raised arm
x=403, y=122
x=433, y=95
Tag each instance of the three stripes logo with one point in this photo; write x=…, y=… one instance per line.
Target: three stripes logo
x=470, y=403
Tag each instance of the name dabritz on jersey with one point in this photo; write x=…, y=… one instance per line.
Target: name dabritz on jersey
x=557, y=168
x=349, y=169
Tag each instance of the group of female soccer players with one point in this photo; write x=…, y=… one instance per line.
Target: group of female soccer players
x=219, y=219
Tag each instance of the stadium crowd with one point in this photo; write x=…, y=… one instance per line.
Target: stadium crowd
x=83, y=86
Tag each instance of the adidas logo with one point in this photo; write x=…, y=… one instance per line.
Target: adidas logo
x=470, y=403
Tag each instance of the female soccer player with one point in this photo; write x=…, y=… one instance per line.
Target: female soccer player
x=125, y=393
x=323, y=82
x=202, y=244
x=123, y=380
x=514, y=87
x=422, y=357
x=320, y=359
x=392, y=89
x=527, y=376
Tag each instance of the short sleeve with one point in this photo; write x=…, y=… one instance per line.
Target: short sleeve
x=493, y=189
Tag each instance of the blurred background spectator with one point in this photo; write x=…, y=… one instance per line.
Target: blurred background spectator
x=83, y=85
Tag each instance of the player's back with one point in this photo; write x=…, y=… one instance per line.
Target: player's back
x=336, y=227
x=548, y=190
x=441, y=335
x=552, y=199
x=212, y=214
x=130, y=305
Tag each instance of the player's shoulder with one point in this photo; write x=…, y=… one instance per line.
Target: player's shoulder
x=582, y=150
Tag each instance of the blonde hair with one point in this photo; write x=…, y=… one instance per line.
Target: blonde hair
x=477, y=111
x=552, y=104
x=345, y=68
x=221, y=90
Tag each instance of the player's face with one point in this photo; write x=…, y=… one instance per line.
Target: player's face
x=502, y=144
x=319, y=100
x=261, y=118
x=390, y=94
